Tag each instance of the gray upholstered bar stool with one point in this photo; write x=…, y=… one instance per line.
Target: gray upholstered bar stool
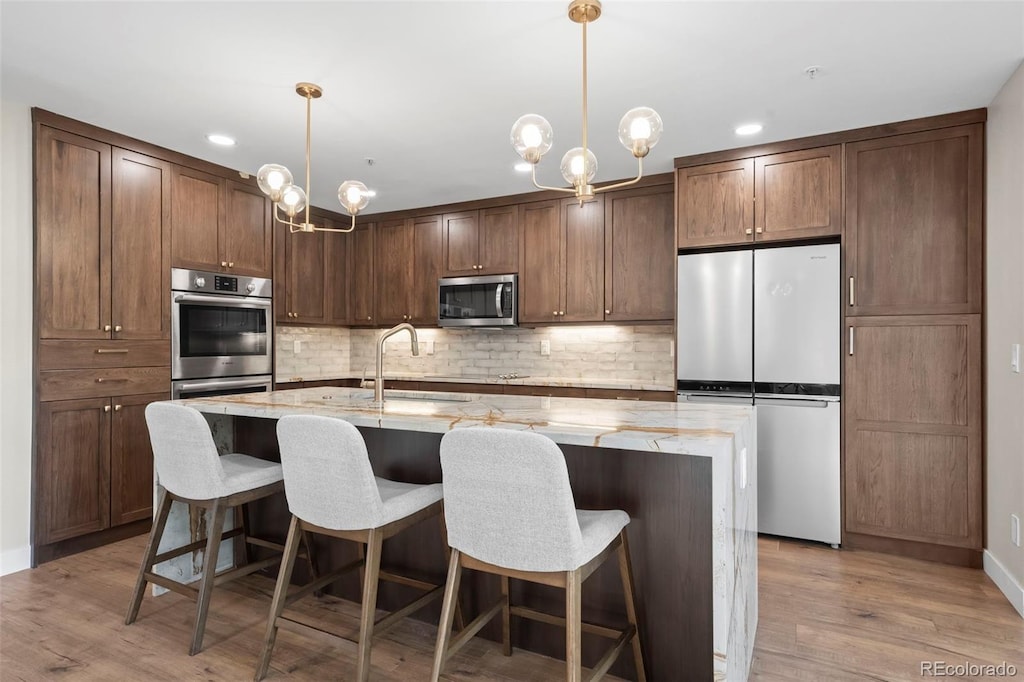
x=510, y=511
x=190, y=471
x=331, y=490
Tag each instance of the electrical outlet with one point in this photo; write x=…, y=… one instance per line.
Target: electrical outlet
x=428, y=347
x=672, y=349
x=297, y=346
x=545, y=347
x=1015, y=529
x=1015, y=357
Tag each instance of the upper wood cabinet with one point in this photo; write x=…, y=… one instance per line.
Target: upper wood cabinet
x=913, y=465
x=639, y=255
x=715, y=204
x=102, y=240
x=302, y=296
x=408, y=265
x=914, y=216
x=219, y=225
x=561, y=276
x=362, y=283
x=484, y=242
x=798, y=194
x=337, y=266
x=793, y=195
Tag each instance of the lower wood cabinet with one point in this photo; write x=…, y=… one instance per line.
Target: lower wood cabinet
x=913, y=459
x=94, y=465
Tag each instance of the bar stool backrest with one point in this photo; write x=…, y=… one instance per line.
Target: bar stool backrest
x=184, y=454
x=507, y=499
x=327, y=475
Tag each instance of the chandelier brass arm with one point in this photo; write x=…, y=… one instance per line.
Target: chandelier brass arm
x=276, y=182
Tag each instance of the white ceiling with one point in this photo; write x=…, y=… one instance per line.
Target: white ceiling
x=431, y=89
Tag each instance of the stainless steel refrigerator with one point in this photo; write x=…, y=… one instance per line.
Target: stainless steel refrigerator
x=762, y=326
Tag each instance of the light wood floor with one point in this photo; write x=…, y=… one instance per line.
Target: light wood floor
x=824, y=615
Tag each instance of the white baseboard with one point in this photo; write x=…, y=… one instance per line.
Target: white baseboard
x=1009, y=586
x=13, y=560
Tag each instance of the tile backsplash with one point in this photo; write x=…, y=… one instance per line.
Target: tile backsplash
x=641, y=353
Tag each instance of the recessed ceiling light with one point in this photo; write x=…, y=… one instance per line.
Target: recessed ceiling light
x=523, y=166
x=222, y=140
x=749, y=129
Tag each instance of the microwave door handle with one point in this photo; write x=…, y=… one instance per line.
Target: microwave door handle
x=497, y=300
x=238, y=301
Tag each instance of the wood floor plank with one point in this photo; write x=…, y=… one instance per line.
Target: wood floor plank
x=841, y=616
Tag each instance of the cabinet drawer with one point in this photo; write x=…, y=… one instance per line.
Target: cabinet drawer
x=58, y=354
x=102, y=383
x=631, y=394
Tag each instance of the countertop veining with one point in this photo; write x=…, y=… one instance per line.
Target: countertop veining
x=567, y=382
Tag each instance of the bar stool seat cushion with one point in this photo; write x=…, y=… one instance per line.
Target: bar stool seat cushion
x=405, y=499
x=243, y=472
x=599, y=528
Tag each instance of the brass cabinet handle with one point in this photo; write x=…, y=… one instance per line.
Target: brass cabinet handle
x=223, y=263
x=231, y=264
x=368, y=318
x=101, y=380
x=106, y=327
x=749, y=231
x=555, y=313
x=851, y=340
x=760, y=230
x=106, y=408
x=117, y=408
x=853, y=296
x=104, y=351
x=117, y=327
x=607, y=311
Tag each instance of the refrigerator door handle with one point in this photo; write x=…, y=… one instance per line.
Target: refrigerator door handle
x=790, y=402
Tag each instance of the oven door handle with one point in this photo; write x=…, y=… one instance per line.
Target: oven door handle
x=237, y=302
x=218, y=384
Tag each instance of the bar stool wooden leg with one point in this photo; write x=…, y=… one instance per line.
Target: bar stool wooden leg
x=506, y=619
x=460, y=621
x=284, y=578
x=214, y=531
x=626, y=571
x=369, y=613
x=163, y=509
x=444, y=627
x=242, y=520
x=573, y=616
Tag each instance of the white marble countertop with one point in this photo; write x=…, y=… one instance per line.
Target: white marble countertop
x=684, y=428
x=567, y=382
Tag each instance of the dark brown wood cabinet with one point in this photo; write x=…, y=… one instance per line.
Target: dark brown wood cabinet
x=562, y=261
x=302, y=296
x=715, y=204
x=790, y=195
x=131, y=459
x=913, y=429
x=362, y=283
x=408, y=265
x=640, y=255
x=337, y=278
x=484, y=242
x=914, y=223
x=219, y=225
x=798, y=194
x=102, y=240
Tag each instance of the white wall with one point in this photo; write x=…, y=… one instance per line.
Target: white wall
x=1004, y=323
x=16, y=283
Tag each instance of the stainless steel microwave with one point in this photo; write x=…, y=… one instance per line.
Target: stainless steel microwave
x=486, y=301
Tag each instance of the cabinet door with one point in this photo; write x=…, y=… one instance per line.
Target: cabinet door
x=362, y=282
x=394, y=264
x=197, y=212
x=640, y=255
x=72, y=470
x=72, y=236
x=337, y=263
x=715, y=204
x=280, y=278
x=913, y=428
x=461, y=240
x=914, y=223
x=798, y=194
x=583, y=247
x=131, y=459
x=140, y=280
x=499, y=241
x=306, y=295
x=541, y=270
x=427, y=269
x=246, y=233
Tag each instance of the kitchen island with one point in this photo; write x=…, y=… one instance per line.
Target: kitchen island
x=686, y=474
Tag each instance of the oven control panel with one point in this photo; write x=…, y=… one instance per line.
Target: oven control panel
x=196, y=281
x=221, y=283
